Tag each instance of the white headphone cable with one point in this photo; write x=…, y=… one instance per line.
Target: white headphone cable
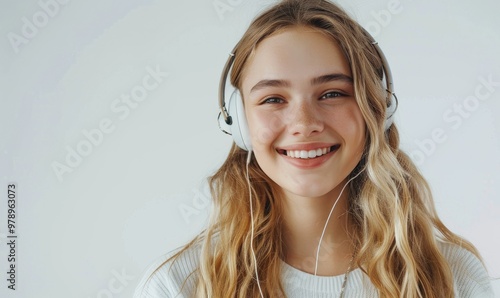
x=328, y=219
x=252, y=224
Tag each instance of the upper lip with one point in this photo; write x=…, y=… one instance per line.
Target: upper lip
x=306, y=146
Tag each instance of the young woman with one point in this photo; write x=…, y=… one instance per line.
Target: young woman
x=317, y=199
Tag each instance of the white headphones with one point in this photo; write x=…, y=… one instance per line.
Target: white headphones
x=236, y=118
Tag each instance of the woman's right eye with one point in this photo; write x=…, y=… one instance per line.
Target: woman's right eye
x=273, y=100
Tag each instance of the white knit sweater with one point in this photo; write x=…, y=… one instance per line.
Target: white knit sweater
x=470, y=278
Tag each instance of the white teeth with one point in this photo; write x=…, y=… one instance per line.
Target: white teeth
x=307, y=154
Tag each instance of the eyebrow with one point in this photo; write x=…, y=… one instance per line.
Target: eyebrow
x=316, y=81
x=331, y=77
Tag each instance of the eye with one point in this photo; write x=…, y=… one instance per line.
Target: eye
x=273, y=100
x=332, y=94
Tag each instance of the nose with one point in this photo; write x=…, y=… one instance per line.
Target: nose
x=305, y=119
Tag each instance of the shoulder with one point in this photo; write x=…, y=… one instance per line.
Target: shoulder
x=469, y=273
x=170, y=277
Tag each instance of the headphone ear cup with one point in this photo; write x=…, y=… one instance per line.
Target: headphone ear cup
x=239, y=127
x=390, y=112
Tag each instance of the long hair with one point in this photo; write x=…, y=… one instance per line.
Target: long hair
x=395, y=225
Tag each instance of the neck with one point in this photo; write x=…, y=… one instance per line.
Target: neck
x=304, y=219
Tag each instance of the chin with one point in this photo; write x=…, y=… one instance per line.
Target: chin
x=307, y=190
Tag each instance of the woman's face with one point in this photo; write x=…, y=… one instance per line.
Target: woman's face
x=307, y=130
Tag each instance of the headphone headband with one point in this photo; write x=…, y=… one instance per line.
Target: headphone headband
x=393, y=99
x=222, y=88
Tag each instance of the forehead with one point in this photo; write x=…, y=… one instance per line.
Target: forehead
x=296, y=54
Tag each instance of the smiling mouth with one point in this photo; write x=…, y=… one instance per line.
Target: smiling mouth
x=308, y=154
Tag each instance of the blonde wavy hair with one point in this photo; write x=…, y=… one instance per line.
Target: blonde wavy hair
x=395, y=224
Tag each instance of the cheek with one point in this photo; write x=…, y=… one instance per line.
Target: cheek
x=352, y=125
x=357, y=127
x=358, y=130
x=264, y=127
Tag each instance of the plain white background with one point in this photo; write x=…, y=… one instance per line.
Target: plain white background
x=94, y=211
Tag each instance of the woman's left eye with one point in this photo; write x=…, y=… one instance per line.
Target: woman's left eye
x=332, y=94
x=273, y=100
